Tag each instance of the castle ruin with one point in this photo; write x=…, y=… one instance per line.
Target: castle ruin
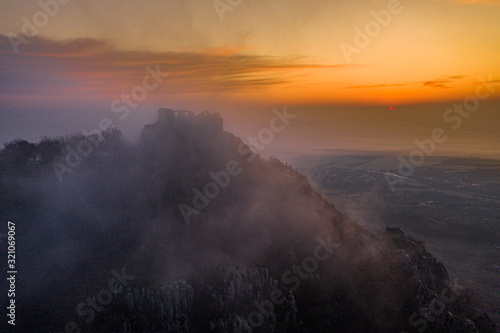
x=173, y=122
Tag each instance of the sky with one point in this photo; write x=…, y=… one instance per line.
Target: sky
x=65, y=65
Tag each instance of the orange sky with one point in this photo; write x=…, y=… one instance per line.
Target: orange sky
x=252, y=56
x=296, y=51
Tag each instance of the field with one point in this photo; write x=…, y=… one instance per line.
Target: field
x=452, y=204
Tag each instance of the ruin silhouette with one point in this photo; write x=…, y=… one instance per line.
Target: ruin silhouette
x=173, y=122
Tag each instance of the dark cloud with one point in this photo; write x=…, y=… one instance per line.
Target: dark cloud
x=89, y=64
x=442, y=82
x=437, y=83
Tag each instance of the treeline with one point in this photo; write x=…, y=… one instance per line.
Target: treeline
x=22, y=158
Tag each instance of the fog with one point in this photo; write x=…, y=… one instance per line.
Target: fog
x=119, y=207
x=187, y=198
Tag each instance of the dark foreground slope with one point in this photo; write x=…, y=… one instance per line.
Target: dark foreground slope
x=192, y=232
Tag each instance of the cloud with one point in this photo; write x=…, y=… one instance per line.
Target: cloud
x=442, y=83
x=437, y=83
x=98, y=67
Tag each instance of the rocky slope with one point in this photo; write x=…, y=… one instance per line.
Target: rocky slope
x=222, y=301
x=217, y=240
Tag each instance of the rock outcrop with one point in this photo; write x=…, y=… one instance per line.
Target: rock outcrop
x=164, y=310
x=238, y=299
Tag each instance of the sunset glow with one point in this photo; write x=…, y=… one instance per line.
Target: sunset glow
x=257, y=55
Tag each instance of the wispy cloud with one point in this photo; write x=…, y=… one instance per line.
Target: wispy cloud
x=96, y=66
x=436, y=83
x=442, y=82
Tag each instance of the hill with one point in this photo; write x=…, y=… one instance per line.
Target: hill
x=192, y=231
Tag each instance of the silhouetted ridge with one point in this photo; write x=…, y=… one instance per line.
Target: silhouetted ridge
x=262, y=253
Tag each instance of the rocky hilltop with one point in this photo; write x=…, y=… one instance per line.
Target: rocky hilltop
x=215, y=239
